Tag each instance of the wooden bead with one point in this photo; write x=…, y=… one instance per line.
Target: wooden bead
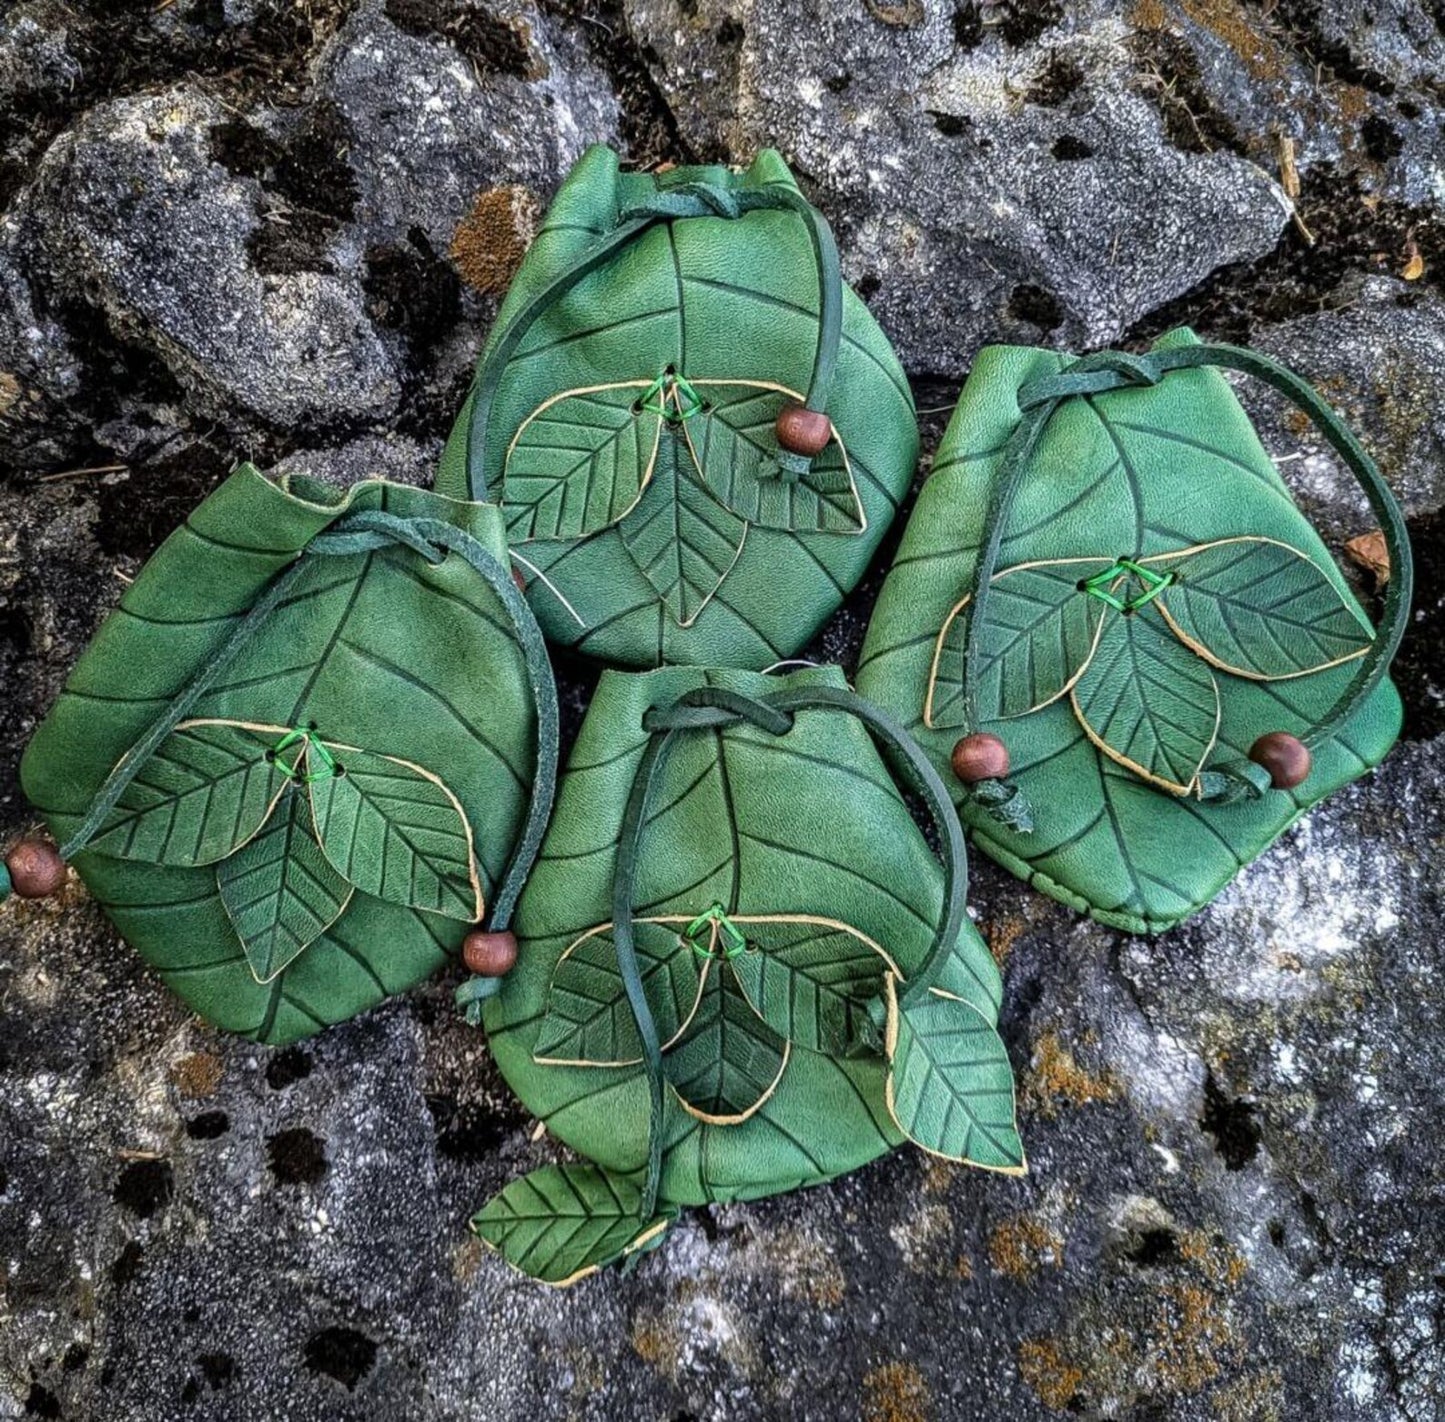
x=519, y=580
x=1286, y=757
x=803, y=431
x=980, y=756
x=36, y=870
x=489, y=955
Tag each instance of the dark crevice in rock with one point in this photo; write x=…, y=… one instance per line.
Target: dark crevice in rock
x=494, y=44
x=1068, y=149
x=1419, y=666
x=41, y=1402
x=287, y=1067
x=1154, y=1248
x=1233, y=1125
x=138, y=513
x=1059, y=79
x=127, y=1264
x=650, y=131
x=968, y=25
x=342, y=1354
x=296, y=1156
x=1301, y=21
x=1171, y=79
x=1033, y=304
x=471, y=1131
x=208, y=1126
x=145, y=1187
x=1353, y=231
x=1021, y=22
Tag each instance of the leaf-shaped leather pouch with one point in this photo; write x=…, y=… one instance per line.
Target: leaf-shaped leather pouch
x=627, y=413
x=311, y=747
x=1106, y=572
x=741, y=968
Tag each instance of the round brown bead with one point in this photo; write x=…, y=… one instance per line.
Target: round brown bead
x=803, y=431
x=980, y=756
x=1286, y=757
x=36, y=870
x=489, y=955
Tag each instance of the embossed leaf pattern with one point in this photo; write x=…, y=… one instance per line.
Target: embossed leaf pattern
x=1039, y=636
x=397, y=833
x=950, y=1087
x=280, y=891
x=589, y=1019
x=680, y=538
x=736, y=452
x=1148, y=702
x=564, y=1222
x=729, y=1060
x=206, y=790
x=810, y=979
x=579, y=462
x=1259, y=608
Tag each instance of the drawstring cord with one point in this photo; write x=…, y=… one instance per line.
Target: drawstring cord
x=1118, y=370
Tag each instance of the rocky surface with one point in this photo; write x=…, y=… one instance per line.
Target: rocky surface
x=278, y=229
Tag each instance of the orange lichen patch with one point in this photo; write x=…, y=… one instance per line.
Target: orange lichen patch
x=901, y=14
x=657, y=1343
x=1191, y=1339
x=805, y=1268
x=963, y=1267
x=1351, y=102
x=491, y=240
x=1228, y=20
x=1256, y=1397
x=1148, y=15
x=938, y=1174
x=466, y=1259
x=1044, y=1366
x=198, y=1074
x=1024, y=1244
x=1004, y=935
x=896, y=1392
x=1054, y=1076
x=1216, y=1259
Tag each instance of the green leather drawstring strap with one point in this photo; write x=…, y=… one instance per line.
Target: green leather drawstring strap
x=668, y=204
x=1118, y=370
x=714, y=709
x=359, y=533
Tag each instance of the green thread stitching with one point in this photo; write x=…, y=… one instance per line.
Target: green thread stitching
x=1099, y=585
x=308, y=745
x=731, y=940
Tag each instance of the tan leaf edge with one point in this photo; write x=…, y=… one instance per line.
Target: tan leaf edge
x=891, y=1043
x=1200, y=650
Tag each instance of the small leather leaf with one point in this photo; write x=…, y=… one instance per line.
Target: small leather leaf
x=563, y=1222
x=736, y=451
x=207, y=789
x=397, y=833
x=729, y=1060
x=589, y=1020
x=1259, y=609
x=1039, y=636
x=579, y=462
x=1148, y=702
x=810, y=979
x=681, y=539
x=279, y=890
x=950, y=1087
x=970, y=972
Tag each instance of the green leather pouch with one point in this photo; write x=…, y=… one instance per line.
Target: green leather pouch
x=624, y=412
x=1106, y=572
x=312, y=746
x=741, y=968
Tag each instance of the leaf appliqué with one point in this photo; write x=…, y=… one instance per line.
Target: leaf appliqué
x=395, y=831
x=207, y=790
x=579, y=462
x=589, y=1020
x=1041, y=632
x=1258, y=608
x=1148, y=702
x=810, y=979
x=280, y=891
x=950, y=1086
x=729, y=1061
x=680, y=538
x=733, y=444
x=563, y=1222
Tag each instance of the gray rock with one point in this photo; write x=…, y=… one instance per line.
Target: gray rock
x=1234, y=1206
x=981, y=191
x=140, y=216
